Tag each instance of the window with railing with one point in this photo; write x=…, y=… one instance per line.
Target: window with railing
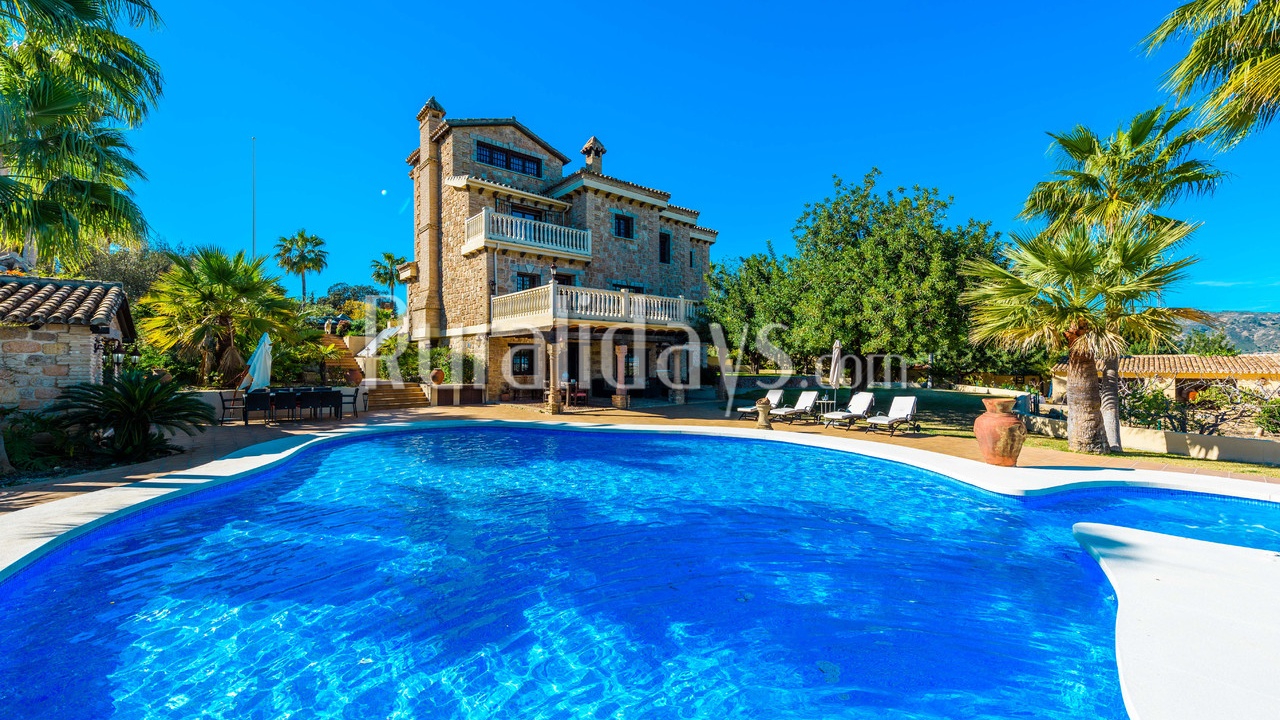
x=527, y=281
x=508, y=159
x=629, y=288
x=527, y=213
x=563, y=279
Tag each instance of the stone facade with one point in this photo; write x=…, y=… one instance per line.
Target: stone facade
x=453, y=278
x=36, y=365
x=54, y=333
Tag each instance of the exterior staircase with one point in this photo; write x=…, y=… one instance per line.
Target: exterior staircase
x=384, y=396
x=344, y=366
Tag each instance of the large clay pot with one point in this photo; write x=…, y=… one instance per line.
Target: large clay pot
x=437, y=376
x=1000, y=432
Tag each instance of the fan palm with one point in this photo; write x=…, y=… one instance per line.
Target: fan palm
x=69, y=87
x=1084, y=291
x=1233, y=59
x=387, y=271
x=301, y=253
x=208, y=300
x=1144, y=165
x=137, y=408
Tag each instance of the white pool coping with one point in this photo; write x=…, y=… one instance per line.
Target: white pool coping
x=1149, y=673
x=1197, y=632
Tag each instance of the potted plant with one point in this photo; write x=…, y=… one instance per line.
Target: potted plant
x=504, y=394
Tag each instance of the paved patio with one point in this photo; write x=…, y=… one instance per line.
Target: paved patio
x=222, y=440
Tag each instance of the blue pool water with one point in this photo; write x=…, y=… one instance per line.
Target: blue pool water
x=498, y=573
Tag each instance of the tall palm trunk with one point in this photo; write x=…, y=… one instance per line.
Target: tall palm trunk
x=1084, y=415
x=303, y=276
x=1109, y=397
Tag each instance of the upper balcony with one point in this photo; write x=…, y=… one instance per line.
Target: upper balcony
x=543, y=306
x=494, y=229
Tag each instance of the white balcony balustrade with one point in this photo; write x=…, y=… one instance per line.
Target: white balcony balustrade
x=544, y=306
x=494, y=229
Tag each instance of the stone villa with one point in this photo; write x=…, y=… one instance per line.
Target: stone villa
x=540, y=273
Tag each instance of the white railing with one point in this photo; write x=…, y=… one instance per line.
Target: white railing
x=491, y=225
x=579, y=303
x=524, y=304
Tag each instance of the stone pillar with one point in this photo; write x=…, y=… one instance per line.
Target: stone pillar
x=553, y=389
x=620, y=397
x=677, y=377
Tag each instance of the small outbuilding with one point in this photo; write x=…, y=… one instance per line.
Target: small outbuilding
x=55, y=333
x=1181, y=375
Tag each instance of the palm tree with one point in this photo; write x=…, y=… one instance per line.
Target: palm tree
x=209, y=300
x=69, y=87
x=1232, y=59
x=387, y=271
x=1144, y=165
x=1084, y=291
x=138, y=408
x=301, y=253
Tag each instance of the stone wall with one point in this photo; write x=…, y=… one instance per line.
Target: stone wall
x=35, y=365
x=458, y=153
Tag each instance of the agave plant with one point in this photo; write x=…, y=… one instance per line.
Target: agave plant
x=132, y=413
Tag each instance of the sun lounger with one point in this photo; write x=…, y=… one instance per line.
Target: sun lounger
x=775, y=399
x=901, y=413
x=859, y=408
x=803, y=408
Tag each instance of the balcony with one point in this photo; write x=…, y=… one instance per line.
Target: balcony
x=544, y=306
x=494, y=229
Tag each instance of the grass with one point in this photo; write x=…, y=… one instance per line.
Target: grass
x=951, y=413
x=1240, y=468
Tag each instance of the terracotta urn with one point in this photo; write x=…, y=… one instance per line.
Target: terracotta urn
x=1000, y=432
x=763, y=406
x=437, y=376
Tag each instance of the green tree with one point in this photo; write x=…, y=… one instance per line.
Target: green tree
x=340, y=294
x=881, y=272
x=1059, y=291
x=70, y=86
x=387, y=271
x=1101, y=181
x=746, y=296
x=136, y=268
x=1207, y=344
x=138, y=408
x=209, y=300
x=301, y=253
x=1232, y=59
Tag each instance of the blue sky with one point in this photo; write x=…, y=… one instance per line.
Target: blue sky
x=741, y=110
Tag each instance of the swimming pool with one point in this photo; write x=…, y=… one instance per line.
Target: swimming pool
x=487, y=572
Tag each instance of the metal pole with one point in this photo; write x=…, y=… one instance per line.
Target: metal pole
x=253, y=159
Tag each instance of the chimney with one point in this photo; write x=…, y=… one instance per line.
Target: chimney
x=594, y=150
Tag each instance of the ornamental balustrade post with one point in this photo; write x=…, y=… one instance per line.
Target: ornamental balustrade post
x=620, y=397
x=626, y=304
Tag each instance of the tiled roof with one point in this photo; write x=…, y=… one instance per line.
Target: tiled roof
x=413, y=157
x=463, y=179
x=498, y=122
x=1195, y=366
x=569, y=179
x=708, y=231
x=40, y=301
x=683, y=210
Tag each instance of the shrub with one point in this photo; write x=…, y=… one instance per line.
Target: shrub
x=1268, y=417
x=129, y=416
x=410, y=364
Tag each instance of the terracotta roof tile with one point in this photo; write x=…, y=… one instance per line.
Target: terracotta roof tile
x=1195, y=366
x=40, y=301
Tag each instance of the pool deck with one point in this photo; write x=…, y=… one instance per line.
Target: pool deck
x=1196, y=631
x=223, y=440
